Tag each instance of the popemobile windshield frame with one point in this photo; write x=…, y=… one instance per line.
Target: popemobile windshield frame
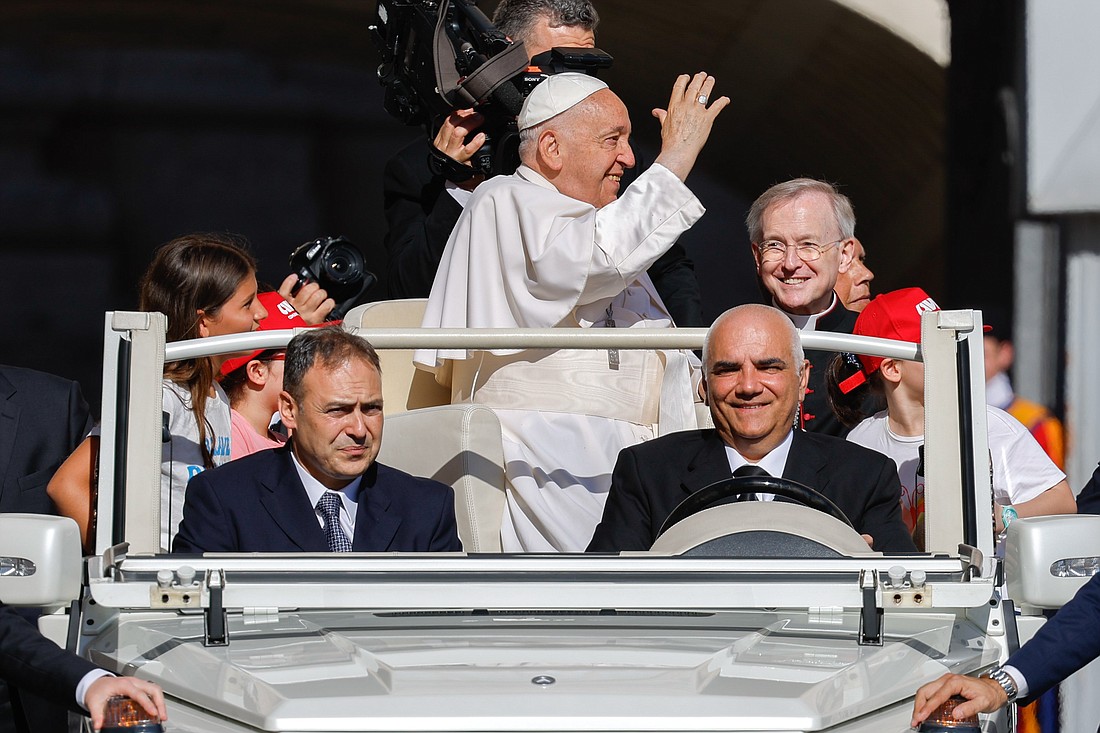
x=127, y=579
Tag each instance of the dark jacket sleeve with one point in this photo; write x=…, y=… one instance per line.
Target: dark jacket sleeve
x=36, y=663
x=80, y=416
x=673, y=274
x=420, y=215
x=205, y=526
x=445, y=536
x=48, y=417
x=1064, y=644
x=1088, y=501
x=627, y=520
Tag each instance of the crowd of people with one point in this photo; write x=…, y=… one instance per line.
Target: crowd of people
x=276, y=450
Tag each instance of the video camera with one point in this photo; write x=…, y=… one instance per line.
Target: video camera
x=443, y=55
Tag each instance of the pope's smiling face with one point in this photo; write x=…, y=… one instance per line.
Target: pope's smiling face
x=594, y=141
x=753, y=379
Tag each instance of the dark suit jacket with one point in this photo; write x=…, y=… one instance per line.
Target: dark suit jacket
x=258, y=504
x=420, y=215
x=651, y=478
x=38, y=664
x=42, y=419
x=1088, y=501
x=817, y=415
x=1063, y=644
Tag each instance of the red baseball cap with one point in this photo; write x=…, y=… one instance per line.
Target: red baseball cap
x=280, y=315
x=894, y=315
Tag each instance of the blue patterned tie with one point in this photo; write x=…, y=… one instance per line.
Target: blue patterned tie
x=329, y=506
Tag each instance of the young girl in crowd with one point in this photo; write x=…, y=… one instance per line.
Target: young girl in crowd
x=1025, y=481
x=206, y=285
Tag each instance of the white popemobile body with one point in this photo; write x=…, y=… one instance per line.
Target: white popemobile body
x=822, y=635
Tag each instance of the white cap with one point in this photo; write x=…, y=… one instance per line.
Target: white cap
x=554, y=95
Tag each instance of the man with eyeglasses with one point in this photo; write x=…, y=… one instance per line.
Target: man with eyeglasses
x=803, y=236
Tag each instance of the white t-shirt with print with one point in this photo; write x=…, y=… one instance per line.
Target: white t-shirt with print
x=1021, y=470
x=181, y=457
x=875, y=433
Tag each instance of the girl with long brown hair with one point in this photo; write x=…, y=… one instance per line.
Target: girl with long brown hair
x=206, y=285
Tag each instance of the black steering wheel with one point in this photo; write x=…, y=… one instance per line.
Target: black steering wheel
x=721, y=492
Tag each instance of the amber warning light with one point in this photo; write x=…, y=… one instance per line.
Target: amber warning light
x=123, y=715
x=941, y=720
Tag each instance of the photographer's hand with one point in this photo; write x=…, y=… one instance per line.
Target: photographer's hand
x=451, y=140
x=686, y=124
x=311, y=301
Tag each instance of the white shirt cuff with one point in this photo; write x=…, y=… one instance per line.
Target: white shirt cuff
x=461, y=195
x=86, y=682
x=1018, y=677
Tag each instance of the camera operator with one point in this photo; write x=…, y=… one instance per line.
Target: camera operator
x=423, y=207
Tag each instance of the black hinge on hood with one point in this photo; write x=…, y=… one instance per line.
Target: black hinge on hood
x=870, y=615
x=215, y=621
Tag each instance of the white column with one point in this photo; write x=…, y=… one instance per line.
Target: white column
x=1035, y=315
x=1081, y=704
x=1082, y=346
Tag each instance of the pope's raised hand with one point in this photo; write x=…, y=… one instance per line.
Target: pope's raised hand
x=686, y=124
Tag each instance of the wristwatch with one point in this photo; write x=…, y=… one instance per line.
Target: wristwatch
x=1004, y=679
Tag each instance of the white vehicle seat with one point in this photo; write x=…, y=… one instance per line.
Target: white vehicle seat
x=404, y=387
x=459, y=445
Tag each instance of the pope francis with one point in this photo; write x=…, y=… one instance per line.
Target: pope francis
x=556, y=245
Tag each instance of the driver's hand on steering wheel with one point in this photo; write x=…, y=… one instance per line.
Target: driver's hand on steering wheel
x=869, y=540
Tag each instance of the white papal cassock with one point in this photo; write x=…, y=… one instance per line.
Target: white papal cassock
x=524, y=255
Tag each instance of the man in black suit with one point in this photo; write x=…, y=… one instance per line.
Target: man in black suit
x=64, y=678
x=422, y=206
x=323, y=490
x=42, y=418
x=754, y=379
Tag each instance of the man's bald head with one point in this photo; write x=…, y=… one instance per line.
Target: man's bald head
x=754, y=378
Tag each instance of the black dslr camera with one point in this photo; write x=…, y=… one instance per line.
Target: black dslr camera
x=336, y=265
x=443, y=55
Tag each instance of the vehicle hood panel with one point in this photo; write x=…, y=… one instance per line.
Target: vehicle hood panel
x=358, y=671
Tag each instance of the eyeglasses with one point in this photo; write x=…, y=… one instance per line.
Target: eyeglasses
x=774, y=251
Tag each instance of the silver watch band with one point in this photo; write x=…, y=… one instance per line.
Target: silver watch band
x=1004, y=679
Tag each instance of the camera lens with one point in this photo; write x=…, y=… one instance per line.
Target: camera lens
x=339, y=265
x=343, y=263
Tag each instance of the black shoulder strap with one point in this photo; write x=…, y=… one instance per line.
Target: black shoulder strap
x=477, y=87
